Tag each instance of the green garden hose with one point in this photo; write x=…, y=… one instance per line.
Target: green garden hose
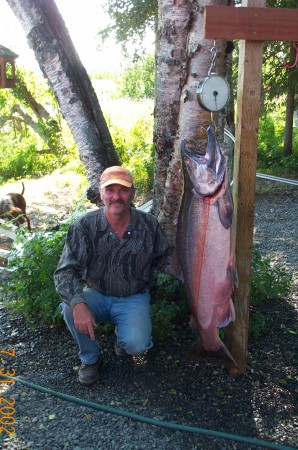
x=170, y=425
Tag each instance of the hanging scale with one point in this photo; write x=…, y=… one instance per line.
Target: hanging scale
x=213, y=91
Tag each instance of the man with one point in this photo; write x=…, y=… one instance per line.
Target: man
x=106, y=270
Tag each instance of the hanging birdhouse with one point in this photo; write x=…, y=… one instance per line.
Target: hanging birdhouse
x=7, y=68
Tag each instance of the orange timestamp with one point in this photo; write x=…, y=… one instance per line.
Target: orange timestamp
x=7, y=409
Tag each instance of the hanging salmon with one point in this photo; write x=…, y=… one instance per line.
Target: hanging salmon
x=203, y=258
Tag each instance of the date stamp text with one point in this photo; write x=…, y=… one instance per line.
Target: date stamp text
x=7, y=409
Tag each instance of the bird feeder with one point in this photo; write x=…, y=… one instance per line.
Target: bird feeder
x=7, y=68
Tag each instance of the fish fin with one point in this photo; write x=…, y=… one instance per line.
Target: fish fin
x=193, y=325
x=233, y=272
x=221, y=353
x=175, y=268
x=229, y=316
x=235, y=277
x=226, y=208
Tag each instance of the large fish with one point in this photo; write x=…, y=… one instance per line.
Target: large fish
x=203, y=258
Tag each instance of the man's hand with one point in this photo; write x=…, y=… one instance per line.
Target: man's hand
x=84, y=320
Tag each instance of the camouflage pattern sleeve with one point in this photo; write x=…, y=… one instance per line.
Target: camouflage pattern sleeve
x=69, y=274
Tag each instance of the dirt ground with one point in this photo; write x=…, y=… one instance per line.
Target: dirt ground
x=261, y=404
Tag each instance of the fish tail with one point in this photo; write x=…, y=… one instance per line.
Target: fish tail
x=220, y=352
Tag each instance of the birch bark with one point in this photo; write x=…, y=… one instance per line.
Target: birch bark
x=178, y=114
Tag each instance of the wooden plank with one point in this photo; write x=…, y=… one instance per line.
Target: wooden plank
x=3, y=253
x=4, y=270
x=246, y=146
x=255, y=24
x=9, y=232
x=146, y=207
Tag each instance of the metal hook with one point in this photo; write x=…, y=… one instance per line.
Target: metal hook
x=287, y=66
x=213, y=52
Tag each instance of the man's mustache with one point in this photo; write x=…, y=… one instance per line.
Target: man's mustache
x=121, y=202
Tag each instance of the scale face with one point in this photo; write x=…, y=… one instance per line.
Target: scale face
x=213, y=93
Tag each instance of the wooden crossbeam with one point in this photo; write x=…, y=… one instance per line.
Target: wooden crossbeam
x=252, y=24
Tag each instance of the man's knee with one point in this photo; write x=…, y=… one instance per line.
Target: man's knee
x=135, y=348
x=136, y=345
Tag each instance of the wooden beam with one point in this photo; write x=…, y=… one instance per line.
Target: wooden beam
x=244, y=179
x=255, y=24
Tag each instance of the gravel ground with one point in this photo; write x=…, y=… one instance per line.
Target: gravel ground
x=164, y=386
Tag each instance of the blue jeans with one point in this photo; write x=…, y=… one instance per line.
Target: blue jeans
x=131, y=315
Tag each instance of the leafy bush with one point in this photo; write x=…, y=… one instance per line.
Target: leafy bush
x=30, y=287
x=33, y=141
x=267, y=283
x=169, y=306
x=271, y=158
x=27, y=162
x=270, y=139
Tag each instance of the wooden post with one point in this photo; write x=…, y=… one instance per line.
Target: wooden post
x=252, y=23
x=244, y=179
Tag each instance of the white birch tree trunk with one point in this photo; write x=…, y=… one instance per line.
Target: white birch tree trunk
x=171, y=70
x=59, y=62
x=178, y=114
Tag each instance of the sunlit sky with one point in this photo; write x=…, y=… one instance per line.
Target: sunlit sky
x=82, y=18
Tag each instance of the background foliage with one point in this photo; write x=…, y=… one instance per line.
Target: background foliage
x=34, y=139
x=271, y=158
x=137, y=81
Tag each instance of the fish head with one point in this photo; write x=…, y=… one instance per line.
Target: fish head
x=204, y=173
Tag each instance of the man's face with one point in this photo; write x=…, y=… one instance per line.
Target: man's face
x=117, y=198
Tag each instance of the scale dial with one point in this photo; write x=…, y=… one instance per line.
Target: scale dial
x=213, y=92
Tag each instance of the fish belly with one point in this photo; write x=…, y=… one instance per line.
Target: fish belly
x=205, y=259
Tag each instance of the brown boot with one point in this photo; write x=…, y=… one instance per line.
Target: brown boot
x=88, y=373
x=120, y=351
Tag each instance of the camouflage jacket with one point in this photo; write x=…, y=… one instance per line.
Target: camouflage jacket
x=93, y=255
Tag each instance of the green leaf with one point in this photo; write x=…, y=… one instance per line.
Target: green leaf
x=172, y=392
